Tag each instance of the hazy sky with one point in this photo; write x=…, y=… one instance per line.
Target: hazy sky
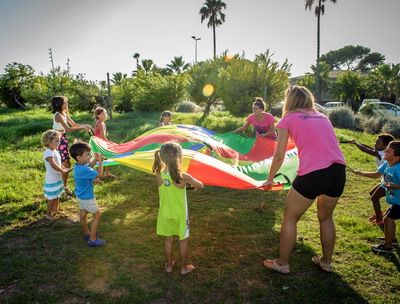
x=101, y=36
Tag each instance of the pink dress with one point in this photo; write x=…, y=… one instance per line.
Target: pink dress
x=97, y=129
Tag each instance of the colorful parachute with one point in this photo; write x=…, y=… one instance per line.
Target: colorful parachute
x=224, y=160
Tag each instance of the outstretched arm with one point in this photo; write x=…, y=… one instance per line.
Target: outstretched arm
x=375, y=174
x=279, y=156
x=242, y=128
x=366, y=149
x=74, y=127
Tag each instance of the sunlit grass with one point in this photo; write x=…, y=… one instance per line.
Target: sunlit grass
x=231, y=233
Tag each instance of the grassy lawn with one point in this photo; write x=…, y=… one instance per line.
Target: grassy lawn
x=231, y=233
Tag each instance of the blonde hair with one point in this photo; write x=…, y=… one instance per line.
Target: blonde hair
x=169, y=155
x=259, y=102
x=48, y=137
x=297, y=98
x=98, y=111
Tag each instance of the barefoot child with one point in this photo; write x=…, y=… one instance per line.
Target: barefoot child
x=53, y=184
x=100, y=130
x=84, y=176
x=173, y=217
x=390, y=170
x=377, y=192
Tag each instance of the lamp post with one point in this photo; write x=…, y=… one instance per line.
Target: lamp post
x=195, y=47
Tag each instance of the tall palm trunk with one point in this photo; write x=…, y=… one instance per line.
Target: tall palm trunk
x=318, y=76
x=215, y=42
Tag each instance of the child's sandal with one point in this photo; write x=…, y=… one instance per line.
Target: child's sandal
x=327, y=267
x=273, y=264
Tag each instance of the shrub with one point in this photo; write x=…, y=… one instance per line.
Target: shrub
x=188, y=107
x=276, y=110
x=392, y=126
x=342, y=117
x=372, y=124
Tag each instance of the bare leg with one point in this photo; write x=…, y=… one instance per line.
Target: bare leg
x=50, y=208
x=326, y=205
x=67, y=165
x=296, y=206
x=390, y=231
x=56, y=203
x=183, y=249
x=169, y=241
x=83, y=214
x=376, y=194
x=94, y=225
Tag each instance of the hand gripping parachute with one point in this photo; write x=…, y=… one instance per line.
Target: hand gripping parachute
x=223, y=160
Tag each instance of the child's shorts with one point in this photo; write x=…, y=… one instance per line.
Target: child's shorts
x=393, y=212
x=89, y=205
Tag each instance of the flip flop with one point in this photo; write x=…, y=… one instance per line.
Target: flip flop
x=324, y=266
x=272, y=264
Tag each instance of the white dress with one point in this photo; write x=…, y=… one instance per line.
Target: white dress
x=53, y=183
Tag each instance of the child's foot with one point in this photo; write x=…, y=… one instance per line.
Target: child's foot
x=188, y=269
x=327, y=267
x=169, y=269
x=377, y=223
x=50, y=217
x=109, y=175
x=96, y=243
x=382, y=249
x=274, y=265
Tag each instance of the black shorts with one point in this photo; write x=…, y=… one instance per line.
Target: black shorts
x=328, y=181
x=393, y=212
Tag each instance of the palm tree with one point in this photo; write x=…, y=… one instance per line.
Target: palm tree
x=319, y=10
x=147, y=65
x=118, y=78
x=178, y=65
x=211, y=10
x=136, y=56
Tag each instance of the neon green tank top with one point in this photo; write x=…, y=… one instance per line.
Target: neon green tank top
x=173, y=217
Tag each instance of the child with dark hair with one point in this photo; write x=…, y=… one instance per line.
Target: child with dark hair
x=63, y=124
x=173, y=216
x=165, y=118
x=84, y=176
x=390, y=170
x=377, y=192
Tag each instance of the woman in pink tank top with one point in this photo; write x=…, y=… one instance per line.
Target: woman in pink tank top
x=321, y=175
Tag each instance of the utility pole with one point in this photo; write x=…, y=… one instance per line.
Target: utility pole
x=109, y=103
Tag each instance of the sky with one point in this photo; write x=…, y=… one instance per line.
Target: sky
x=100, y=36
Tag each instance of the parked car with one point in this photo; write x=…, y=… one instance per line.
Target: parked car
x=333, y=104
x=320, y=108
x=380, y=108
x=369, y=100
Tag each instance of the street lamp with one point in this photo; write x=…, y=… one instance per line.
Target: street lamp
x=195, y=47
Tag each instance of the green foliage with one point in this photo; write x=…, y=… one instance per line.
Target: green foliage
x=348, y=88
x=384, y=82
x=392, y=126
x=372, y=124
x=154, y=92
x=15, y=79
x=187, y=107
x=342, y=117
x=242, y=80
x=355, y=58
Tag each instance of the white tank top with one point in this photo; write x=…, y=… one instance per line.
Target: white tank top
x=56, y=125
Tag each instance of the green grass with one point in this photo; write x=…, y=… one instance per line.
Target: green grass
x=231, y=233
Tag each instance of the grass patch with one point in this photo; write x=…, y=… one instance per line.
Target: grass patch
x=231, y=233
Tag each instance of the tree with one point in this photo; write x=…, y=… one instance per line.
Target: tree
x=319, y=10
x=118, y=78
x=177, y=65
x=384, y=82
x=348, y=87
x=353, y=58
x=16, y=77
x=136, y=56
x=212, y=10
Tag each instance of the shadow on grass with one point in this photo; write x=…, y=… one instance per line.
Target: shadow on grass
x=231, y=233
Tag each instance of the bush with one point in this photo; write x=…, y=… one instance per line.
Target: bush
x=276, y=111
x=392, y=126
x=188, y=107
x=342, y=117
x=372, y=124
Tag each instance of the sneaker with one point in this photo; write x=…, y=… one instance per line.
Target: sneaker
x=381, y=249
x=86, y=237
x=394, y=242
x=96, y=243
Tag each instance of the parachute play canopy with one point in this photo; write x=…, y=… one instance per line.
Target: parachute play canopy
x=224, y=160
